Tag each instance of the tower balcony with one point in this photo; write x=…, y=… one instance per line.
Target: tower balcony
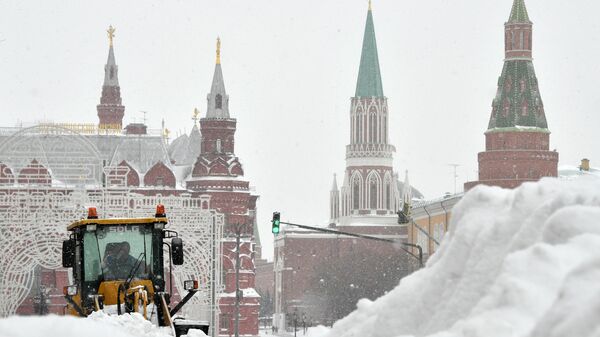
x=376, y=150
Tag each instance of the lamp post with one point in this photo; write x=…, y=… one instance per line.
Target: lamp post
x=237, y=230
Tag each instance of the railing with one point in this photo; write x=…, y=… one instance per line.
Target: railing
x=370, y=150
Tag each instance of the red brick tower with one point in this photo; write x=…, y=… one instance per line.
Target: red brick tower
x=110, y=109
x=517, y=140
x=218, y=173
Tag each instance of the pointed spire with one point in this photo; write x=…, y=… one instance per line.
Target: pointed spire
x=518, y=101
x=218, y=100
x=518, y=13
x=335, y=185
x=111, y=109
x=407, y=189
x=111, y=69
x=369, y=76
x=406, y=195
x=218, y=50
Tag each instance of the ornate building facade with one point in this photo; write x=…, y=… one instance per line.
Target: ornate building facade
x=517, y=139
x=218, y=173
x=370, y=191
x=366, y=203
x=199, y=173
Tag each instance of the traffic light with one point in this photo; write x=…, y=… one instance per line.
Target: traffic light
x=276, y=221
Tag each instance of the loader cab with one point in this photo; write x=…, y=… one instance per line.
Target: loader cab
x=111, y=256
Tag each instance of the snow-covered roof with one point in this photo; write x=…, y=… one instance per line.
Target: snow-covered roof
x=570, y=171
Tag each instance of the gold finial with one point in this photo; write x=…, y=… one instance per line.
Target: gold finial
x=369, y=4
x=111, y=34
x=196, y=113
x=218, y=50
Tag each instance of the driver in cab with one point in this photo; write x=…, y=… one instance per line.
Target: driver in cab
x=117, y=263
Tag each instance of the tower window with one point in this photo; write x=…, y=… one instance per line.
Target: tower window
x=218, y=146
x=219, y=102
x=373, y=193
x=356, y=194
x=522, y=40
x=112, y=72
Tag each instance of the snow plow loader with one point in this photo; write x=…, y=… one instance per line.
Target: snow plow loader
x=118, y=268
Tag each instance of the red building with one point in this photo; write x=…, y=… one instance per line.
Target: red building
x=517, y=139
x=218, y=172
x=202, y=165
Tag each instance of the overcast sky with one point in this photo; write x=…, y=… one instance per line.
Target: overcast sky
x=290, y=69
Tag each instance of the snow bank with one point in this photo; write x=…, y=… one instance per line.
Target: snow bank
x=523, y=262
x=96, y=325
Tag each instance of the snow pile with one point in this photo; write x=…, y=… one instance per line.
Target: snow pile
x=96, y=325
x=522, y=262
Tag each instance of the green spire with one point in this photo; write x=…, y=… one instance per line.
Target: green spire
x=369, y=75
x=519, y=13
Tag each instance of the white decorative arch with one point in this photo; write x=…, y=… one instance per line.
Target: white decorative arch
x=33, y=219
x=373, y=178
x=388, y=191
x=356, y=180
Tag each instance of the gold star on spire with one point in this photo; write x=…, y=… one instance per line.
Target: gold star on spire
x=111, y=34
x=196, y=113
x=218, y=50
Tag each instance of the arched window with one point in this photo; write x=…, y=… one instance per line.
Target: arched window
x=356, y=194
x=354, y=129
x=373, y=127
x=384, y=140
x=359, y=129
x=218, y=146
x=112, y=72
x=219, y=102
x=373, y=193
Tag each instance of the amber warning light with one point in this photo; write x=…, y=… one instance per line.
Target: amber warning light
x=190, y=284
x=160, y=211
x=92, y=213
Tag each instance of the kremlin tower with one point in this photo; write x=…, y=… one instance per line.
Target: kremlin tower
x=517, y=139
x=370, y=190
x=217, y=172
x=110, y=109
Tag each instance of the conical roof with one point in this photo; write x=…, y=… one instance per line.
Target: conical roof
x=218, y=101
x=518, y=13
x=111, y=78
x=369, y=76
x=518, y=101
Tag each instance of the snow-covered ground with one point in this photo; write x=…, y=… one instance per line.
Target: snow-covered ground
x=522, y=262
x=97, y=325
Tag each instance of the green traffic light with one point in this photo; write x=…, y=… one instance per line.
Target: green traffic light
x=276, y=221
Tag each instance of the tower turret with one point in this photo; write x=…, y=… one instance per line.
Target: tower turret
x=334, y=201
x=369, y=189
x=518, y=33
x=517, y=138
x=110, y=109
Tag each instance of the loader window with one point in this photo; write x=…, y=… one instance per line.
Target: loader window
x=116, y=252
